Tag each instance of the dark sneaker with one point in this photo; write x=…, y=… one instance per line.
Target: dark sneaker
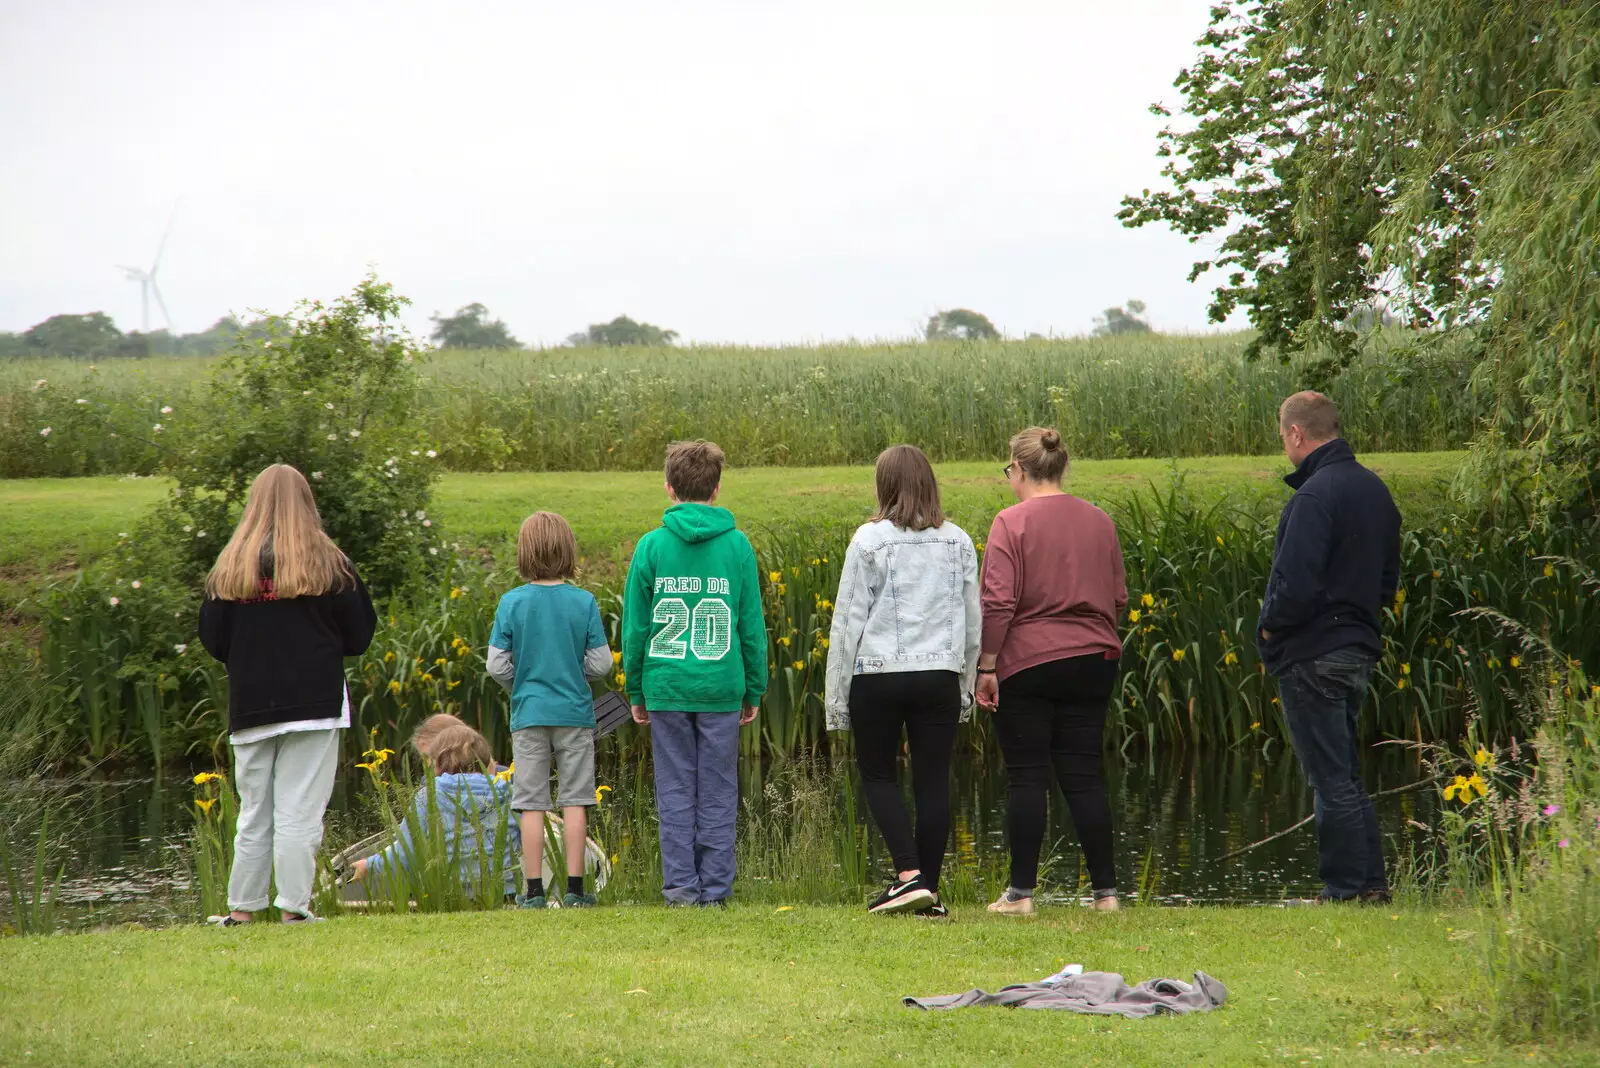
x=579, y=901
x=719, y=903
x=899, y=897
x=1379, y=896
x=537, y=902
x=935, y=911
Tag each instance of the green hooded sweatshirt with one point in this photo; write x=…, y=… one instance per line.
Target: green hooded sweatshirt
x=693, y=639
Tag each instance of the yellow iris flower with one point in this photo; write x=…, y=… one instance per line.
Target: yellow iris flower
x=205, y=777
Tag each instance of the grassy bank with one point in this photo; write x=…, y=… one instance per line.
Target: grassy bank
x=644, y=985
x=608, y=409
x=52, y=524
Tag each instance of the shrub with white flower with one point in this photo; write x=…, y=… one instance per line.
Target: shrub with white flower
x=272, y=403
x=45, y=432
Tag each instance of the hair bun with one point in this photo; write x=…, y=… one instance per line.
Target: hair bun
x=1050, y=440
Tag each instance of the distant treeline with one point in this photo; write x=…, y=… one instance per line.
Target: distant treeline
x=95, y=336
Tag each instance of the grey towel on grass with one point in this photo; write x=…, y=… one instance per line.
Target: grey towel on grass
x=1098, y=993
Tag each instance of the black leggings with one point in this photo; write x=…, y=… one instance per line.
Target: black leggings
x=1055, y=713
x=928, y=705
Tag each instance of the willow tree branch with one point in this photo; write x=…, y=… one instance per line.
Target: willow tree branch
x=1295, y=827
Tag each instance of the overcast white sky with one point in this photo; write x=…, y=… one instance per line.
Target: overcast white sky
x=750, y=172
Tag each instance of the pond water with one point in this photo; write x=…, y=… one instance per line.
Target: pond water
x=124, y=842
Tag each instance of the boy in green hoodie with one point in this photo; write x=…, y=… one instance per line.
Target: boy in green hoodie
x=694, y=656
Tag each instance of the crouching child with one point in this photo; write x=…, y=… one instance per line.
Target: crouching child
x=475, y=827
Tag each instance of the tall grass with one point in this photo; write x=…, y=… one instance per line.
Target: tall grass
x=593, y=409
x=1519, y=839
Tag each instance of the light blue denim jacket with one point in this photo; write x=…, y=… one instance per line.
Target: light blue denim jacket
x=907, y=601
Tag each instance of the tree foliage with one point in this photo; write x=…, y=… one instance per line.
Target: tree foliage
x=95, y=336
x=959, y=324
x=1117, y=321
x=330, y=389
x=623, y=331
x=1437, y=158
x=471, y=328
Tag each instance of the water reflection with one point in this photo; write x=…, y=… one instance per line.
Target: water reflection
x=123, y=842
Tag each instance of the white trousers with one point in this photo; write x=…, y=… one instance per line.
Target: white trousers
x=284, y=784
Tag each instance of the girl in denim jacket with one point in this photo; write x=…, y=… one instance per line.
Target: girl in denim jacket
x=902, y=656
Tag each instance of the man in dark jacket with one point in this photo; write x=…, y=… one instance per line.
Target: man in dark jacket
x=1335, y=566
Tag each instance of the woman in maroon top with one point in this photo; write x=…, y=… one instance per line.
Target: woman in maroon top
x=1053, y=592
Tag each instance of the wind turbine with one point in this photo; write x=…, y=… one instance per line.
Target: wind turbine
x=147, y=283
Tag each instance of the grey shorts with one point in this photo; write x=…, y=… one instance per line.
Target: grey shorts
x=532, y=749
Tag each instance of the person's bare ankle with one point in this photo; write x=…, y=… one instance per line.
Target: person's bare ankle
x=241, y=917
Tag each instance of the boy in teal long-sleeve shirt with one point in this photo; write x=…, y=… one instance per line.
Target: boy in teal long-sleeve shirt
x=694, y=654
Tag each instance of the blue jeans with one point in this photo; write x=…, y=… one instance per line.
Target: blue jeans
x=696, y=760
x=1321, y=698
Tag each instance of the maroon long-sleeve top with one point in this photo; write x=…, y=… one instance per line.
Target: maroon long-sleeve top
x=1053, y=585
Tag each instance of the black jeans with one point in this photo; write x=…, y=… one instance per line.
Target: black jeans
x=927, y=704
x=1320, y=701
x=1054, y=714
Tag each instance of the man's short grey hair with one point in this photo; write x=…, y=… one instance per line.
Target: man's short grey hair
x=1314, y=413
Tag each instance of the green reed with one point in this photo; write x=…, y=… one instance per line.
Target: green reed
x=215, y=809
x=593, y=409
x=127, y=681
x=30, y=888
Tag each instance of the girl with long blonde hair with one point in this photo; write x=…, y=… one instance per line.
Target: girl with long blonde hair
x=283, y=608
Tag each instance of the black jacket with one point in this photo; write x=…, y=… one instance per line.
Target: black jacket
x=285, y=658
x=1336, y=562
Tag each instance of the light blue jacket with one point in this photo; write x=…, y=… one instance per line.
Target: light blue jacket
x=466, y=803
x=907, y=601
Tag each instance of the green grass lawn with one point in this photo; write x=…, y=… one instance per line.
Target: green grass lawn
x=647, y=985
x=51, y=525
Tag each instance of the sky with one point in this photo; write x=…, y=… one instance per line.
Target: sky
x=755, y=172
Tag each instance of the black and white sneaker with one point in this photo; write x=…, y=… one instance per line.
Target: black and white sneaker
x=935, y=911
x=910, y=894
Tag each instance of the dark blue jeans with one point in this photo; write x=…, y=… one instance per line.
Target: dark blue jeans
x=1320, y=700
x=696, y=759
